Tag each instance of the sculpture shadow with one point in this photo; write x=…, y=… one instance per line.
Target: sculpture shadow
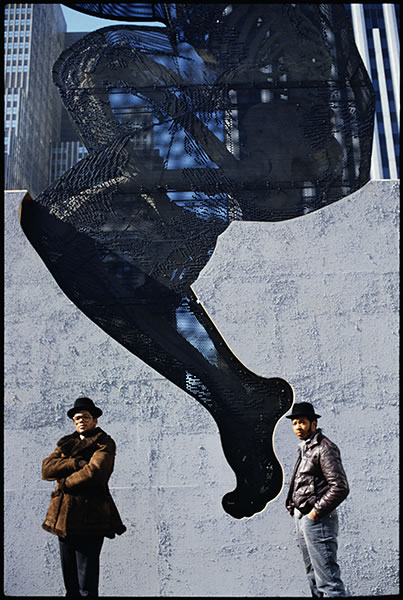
x=254, y=113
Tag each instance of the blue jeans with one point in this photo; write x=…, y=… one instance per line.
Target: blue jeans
x=317, y=540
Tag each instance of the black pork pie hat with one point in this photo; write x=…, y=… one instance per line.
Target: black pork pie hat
x=303, y=409
x=84, y=404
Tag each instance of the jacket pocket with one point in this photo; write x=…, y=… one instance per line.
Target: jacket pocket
x=98, y=513
x=74, y=513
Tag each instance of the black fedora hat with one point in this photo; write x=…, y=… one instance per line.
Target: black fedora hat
x=303, y=409
x=84, y=404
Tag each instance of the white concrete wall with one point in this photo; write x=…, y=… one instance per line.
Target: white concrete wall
x=313, y=300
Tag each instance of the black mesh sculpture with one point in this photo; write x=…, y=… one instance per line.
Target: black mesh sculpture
x=230, y=112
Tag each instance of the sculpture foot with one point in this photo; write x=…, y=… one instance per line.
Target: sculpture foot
x=248, y=446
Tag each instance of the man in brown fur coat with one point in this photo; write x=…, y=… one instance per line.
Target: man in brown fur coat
x=82, y=512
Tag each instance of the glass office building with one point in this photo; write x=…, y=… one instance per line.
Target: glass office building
x=376, y=31
x=33, y=39
x=66, y=149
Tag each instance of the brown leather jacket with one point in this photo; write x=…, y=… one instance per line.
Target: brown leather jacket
x=318, y=480
x=81, y=504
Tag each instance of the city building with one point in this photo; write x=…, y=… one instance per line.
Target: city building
x=33, y=39
x=376, y=31
x=66, y=149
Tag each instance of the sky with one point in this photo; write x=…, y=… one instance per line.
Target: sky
x=78, y=21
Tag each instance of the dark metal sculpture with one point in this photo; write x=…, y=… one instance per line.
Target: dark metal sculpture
x=231, y=112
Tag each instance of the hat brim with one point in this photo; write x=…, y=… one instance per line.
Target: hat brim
x=95, y=412
x=295, y=415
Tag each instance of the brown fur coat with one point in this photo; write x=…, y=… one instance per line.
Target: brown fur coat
x=82, y=504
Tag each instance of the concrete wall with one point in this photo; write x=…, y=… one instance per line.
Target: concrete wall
x=313, y=300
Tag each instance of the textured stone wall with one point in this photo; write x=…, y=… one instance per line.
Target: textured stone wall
x=313, y=300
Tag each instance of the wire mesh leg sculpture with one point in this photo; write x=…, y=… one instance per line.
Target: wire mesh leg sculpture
x=249, y=112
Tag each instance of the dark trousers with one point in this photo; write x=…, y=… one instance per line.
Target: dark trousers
x=80, y=564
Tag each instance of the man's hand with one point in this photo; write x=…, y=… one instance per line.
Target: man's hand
x=313, y=515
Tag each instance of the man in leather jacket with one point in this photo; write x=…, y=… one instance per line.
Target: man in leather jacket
x=81, y=511
x=318, y=485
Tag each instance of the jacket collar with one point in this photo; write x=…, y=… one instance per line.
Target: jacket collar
x=73, y=445
x=315, y=439
x=310, y=443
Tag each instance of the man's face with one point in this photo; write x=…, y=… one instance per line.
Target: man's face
x=84, y=421
x=303, y=427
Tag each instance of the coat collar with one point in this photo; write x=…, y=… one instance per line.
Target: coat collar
x=314, y=441
x=72, y=445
